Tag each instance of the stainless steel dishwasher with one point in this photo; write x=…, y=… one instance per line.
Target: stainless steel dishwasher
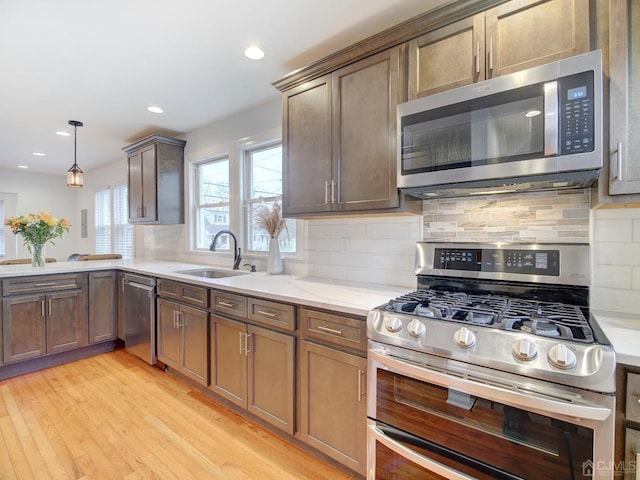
x=140, y=316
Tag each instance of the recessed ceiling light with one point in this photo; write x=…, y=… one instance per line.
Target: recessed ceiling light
x=22, y=166
x=63, y=133
x=38, y=154
x=155, y=109
x=254, y=53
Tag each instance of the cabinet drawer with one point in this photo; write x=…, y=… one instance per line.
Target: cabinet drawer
x=631, y=452
x=335, y=329
x=274, y=314
x=193, y=295
x=633, y=397
x=37, y=284
x=228, y=303
x=168, y=289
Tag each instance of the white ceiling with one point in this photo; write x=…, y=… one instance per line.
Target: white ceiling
x=104, y=62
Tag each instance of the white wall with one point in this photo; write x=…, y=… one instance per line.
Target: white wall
x=36, y=192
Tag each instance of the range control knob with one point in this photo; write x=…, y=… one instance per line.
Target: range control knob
x=465, y=338
x=416, y=328
x=561, y=357
x=525, y=349
x=393, y=324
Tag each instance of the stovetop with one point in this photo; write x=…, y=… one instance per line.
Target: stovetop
x=517, y=308
x=546, y=319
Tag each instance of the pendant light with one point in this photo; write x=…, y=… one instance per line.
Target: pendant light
x=75, y=175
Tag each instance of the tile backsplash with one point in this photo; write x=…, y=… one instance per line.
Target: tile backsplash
x=615, y=262
x=557, y=216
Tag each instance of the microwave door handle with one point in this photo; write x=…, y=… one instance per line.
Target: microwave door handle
x=551, y=119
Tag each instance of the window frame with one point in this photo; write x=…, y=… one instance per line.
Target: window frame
x=238, y=208
x=113, y=227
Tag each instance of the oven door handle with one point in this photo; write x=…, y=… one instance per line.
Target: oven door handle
x=538, y=403
x=414, y=457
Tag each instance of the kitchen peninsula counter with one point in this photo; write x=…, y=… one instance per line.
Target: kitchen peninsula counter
x=327, y=294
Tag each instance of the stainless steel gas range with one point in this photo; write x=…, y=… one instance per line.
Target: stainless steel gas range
x=491, y=368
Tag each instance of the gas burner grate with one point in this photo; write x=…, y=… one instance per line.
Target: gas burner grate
x=548, y=319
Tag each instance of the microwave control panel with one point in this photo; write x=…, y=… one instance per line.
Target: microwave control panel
x=576, y=111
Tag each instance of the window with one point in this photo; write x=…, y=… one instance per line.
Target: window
x=3, y=228
x=263, y=171
x=8, y=240
x=113, y=232
x=212, y=202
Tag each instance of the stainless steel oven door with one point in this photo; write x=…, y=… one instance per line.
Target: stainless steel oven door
x=432, y=417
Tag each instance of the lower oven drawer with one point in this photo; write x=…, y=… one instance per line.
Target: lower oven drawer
x=455, y=428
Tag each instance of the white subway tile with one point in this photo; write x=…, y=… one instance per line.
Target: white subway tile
x=611, y=276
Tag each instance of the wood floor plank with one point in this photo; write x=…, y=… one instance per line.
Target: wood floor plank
x=113, y=416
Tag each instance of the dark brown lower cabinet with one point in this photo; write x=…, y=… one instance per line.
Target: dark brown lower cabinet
x=253, y=367
x=183, y=339
x=333, y=403
x=35, y=325
x=102, y=306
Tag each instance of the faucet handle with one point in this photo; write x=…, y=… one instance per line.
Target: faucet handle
x=253, y=267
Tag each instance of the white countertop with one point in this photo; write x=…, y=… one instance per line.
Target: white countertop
x=320, y=293
x=623, y=330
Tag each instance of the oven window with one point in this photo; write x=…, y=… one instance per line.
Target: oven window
x=496, y=129
x=462, y=430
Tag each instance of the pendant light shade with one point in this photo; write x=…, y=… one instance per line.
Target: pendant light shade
x=75, y=175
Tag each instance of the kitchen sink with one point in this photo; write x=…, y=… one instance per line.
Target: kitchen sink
x=212, y=273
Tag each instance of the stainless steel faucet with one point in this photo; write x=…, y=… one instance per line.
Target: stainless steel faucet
x=237, y=257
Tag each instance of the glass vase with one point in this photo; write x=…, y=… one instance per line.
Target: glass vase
x=37, y=255
x=274, y=261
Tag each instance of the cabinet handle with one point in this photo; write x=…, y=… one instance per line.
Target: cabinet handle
x=42, y=308
x=247, y=350
x=195, y=300
x=491, y=53
x=333, y=191
x=619, y=160
x=46, y=284
x=268, y=314
x=175, y=320
x=326, y=192
x=49, y=306
x=330, y=330
x=179, y=322
x=226, y=304
x=476, y=58
x=122, y=283
x=637, y=467
x=240, y=334
x=360, y=389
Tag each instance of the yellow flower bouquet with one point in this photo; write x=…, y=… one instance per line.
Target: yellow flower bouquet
x=36, y=230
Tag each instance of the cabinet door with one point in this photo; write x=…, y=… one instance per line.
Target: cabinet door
x=66, y=320
x=446, y=58
x=168, y=333
x=521, y=34
x=149, y=186
x=23, y=328
x=307, y=147
x=333, y=412
x=134, y=192
x=194, y=361
x=624, y=89
x=229, y=360
x=271, y=377
x=102, y=306
x=365, y=96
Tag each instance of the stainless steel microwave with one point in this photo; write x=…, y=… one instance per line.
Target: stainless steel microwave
x=536, y=129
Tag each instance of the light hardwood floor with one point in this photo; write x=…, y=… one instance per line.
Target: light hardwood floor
x=114, y=417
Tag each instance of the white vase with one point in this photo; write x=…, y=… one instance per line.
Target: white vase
x=274, y=261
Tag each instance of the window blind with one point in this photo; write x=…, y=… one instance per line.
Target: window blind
x=123, y=231
x=103, y=221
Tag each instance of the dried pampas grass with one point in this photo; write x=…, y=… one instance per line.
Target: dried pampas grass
x=270, y=218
